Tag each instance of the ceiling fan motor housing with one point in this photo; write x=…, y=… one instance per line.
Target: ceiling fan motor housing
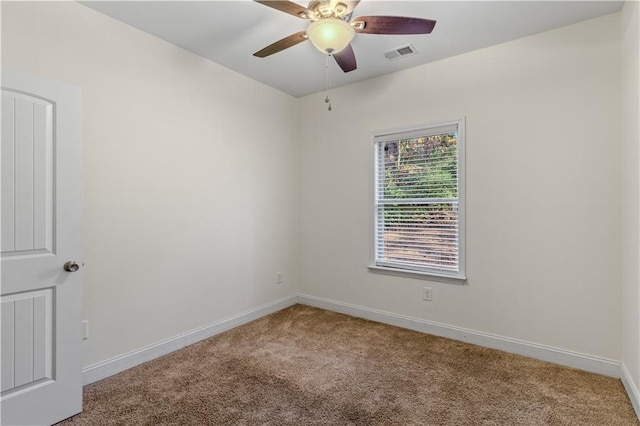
x=330, y=9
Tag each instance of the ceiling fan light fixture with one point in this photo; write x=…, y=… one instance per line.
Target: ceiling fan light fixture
x=330, y=35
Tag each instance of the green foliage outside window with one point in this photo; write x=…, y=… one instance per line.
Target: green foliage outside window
x=423, y=167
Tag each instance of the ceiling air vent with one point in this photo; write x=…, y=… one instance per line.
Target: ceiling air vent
x=400, y=52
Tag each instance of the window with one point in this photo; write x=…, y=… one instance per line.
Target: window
x=419, y=200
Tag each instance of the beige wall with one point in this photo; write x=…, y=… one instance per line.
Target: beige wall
x=189, y=175
x=543, y=158
x=630, y=190
x=196, y=176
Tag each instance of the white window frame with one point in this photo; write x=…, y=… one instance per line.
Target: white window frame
x=413, y=132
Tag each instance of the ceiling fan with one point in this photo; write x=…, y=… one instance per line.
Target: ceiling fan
x=332, y=29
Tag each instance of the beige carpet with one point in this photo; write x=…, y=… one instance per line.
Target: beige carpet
x=306, y=366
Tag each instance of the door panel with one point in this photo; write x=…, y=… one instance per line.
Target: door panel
x=8, y=343
x=27, y=166
x=41, y=203
x=29, y=329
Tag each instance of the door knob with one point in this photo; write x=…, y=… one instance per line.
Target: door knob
x=71, y=266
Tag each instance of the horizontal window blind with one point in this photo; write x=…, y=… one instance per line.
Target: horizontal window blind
x=417, y=200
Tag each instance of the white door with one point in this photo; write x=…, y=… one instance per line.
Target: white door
x=41, y=302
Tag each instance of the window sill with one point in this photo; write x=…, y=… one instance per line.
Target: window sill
x=416, y=274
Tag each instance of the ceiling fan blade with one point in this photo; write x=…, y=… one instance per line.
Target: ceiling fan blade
x=287, y=7
x=280, y=45
x=346, y=59
x=394, y=25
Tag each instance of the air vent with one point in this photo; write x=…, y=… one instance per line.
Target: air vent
x=400, y=52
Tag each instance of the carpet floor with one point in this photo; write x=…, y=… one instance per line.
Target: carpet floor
x=307, y=366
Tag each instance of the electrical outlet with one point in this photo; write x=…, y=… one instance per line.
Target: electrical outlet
x=279, y=277
x=427, y=294
x=85, y=329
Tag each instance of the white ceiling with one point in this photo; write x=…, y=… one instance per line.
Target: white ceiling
x=228, y=32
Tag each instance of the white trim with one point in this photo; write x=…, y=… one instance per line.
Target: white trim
x=431, y=276
x=631, y=388
x=577, y=360
x=604, y=366
x=462, y=197
x=418, y=129
x=117, y=364
x=458, y=125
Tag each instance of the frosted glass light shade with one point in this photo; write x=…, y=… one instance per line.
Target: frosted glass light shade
x=330, y=35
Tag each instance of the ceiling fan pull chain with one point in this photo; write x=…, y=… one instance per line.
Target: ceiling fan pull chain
x=326, y=68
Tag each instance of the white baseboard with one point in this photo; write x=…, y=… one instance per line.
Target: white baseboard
x=123, y=362
x=631, y=388
x=577, y=360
